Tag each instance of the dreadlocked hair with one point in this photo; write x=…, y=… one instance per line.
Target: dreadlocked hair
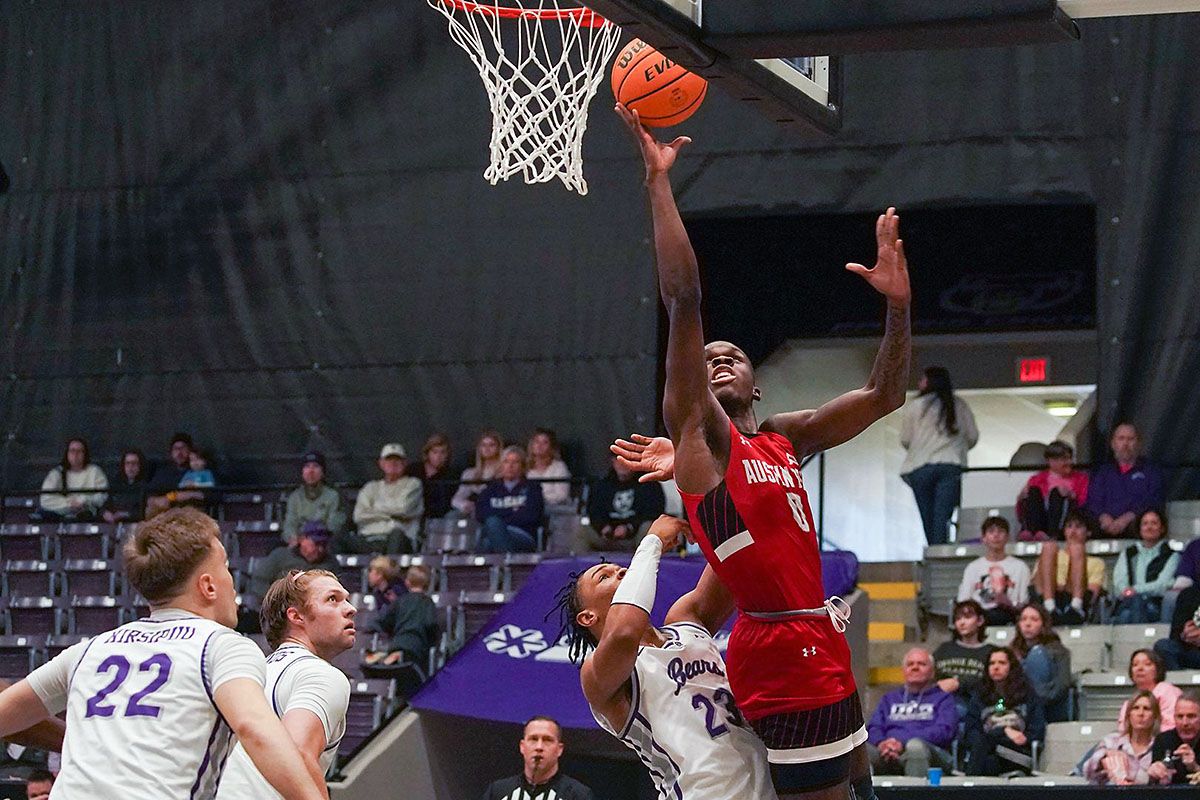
x=568, y=605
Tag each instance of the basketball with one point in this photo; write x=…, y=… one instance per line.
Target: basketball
x=662, y=92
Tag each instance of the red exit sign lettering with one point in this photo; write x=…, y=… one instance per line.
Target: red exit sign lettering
x=1033, y=370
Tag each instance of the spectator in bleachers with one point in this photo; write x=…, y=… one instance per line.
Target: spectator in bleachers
x=127, y=495
x=432, y=471
x=1120, y=491
x=313, y=500
x=962, y=661
x=309, y=551
x=998, y=582
x=1068, y=581
x=1149, y=674
x=1045, y=663
x=545, y=461
x=162, y=492
x=1144, y=572
x=197, y=483
x=1187, y=573
x=388, y=511
x=541, y=748
x=38, y=784
x=1174, y=751
x=485, y=468
x=410, y=623
x=1051, y=494
x=1181, y=649
x=383, y=581
x=937, y=429
x=76, y=489
x=1004, y=719
x=510, y=508
x=1123, y=757
x=913, y=726
x=620, y=510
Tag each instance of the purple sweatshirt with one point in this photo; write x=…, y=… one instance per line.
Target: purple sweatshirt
x=521, y=506
x=929, y=715
x=1113, y=493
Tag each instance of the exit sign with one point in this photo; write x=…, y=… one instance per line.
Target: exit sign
x=1033, y=370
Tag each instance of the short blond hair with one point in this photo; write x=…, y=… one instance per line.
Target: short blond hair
x=417, y=577
x=387, y=567
x=290, y=591
x=162, y=554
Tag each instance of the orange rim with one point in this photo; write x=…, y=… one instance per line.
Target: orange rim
x=584, y=16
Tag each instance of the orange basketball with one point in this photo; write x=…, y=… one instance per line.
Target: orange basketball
x=662, y=92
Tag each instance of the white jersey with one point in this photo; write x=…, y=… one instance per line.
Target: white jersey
x=684, y=725
x=141, y=721
x=296, y=678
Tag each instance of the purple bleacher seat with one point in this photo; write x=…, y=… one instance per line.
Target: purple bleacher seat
x=136, y=606
x=18, y=656
x=56, y=644
x=18, y=510
x=82, y=540
x=445, y=536
x=478, y=608
x=257, y=538
x=33, y=616
x=25, y=578
x=246, y=507
x=23, y=542
x=517, y=568
x=92, y=615
x=89, y=577
x=352, y=572
x=480, y=573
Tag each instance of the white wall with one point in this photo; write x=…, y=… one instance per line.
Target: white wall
x=868, y=509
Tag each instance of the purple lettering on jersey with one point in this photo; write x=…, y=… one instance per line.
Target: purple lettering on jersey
x=95, y=704
x=682, y=671
x=126, y=635
x=96, y=707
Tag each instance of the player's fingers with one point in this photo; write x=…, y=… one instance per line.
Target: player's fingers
x=880, y=226
x=629, y=447
x=858, y=269
x=900, y=253
x=641, y=439
x=679, y=142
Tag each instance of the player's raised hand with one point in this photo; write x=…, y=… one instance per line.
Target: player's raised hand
x=653, y=456
x=889, y=276
x=659, y=157
x=671, y=531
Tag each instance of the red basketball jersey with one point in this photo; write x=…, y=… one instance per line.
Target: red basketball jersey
x=756, y=530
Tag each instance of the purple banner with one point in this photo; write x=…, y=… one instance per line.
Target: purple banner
x=517, y=667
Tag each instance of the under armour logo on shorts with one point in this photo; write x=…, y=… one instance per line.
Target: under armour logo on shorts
x=808, y=651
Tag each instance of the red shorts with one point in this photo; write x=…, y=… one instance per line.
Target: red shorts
x=782, y=666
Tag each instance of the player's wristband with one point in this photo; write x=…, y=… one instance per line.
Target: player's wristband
x=641, y=579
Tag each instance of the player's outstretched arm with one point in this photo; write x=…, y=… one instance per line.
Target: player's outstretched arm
x=606, y=673
x=688, y=404
x=708, y=605
x=25, y=720
x=266, y=741
x=654, y=457
x=843, y=418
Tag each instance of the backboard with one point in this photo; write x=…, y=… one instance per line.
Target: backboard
x=802, y=91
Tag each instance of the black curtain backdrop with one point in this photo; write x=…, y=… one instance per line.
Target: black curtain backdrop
x=265, y=223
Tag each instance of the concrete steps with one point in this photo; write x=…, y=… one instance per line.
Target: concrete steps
x=893, y=626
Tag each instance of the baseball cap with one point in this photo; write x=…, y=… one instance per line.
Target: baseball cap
x=315, y=529
x=393, y=449
x=314, y=457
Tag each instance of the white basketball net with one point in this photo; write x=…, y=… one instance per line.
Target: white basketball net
x=541, y=65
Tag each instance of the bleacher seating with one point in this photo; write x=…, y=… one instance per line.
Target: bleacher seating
x=1048, y=780
x=481, y=573
x=239, y=507
x=88, y=616
x=517, y=568
x=18, y=510
x=477, y=609
x=1128, y=638
x=22, y=578
x=254, y=538
x=1066, y=743
x=89, y=577
x=80, y=540
x=1183, y=520
x=23, y=543
x=56, y=644
x=1101, y=695
x=1183, y=678
x=1088, y=645
x=33, y=616
x=370, y=701
x=18, y=656
x=352, y=572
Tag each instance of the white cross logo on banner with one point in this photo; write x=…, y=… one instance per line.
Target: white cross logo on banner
x=515, y=642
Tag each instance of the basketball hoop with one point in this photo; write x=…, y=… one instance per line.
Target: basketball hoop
x=541, y=62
